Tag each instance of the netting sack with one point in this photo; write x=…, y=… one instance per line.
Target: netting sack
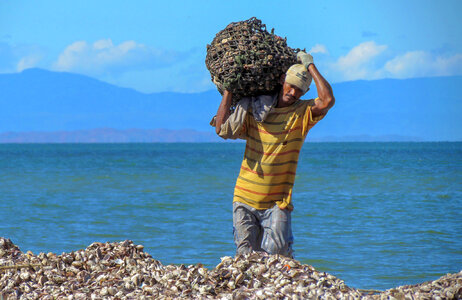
x=247, y=60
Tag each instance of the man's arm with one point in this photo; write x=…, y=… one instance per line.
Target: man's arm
x=223, y=110
x=325, y=95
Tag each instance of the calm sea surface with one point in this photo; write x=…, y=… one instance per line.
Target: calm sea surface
x=376, y=215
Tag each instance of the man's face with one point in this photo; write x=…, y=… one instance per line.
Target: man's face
x=290, y=94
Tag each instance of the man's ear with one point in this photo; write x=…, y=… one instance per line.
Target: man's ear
x=282, y=78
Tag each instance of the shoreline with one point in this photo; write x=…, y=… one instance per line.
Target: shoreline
x=122, y=270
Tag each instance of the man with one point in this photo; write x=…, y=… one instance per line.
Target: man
x=275, y=127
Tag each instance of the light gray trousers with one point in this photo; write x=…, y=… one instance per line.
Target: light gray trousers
x=268, y=230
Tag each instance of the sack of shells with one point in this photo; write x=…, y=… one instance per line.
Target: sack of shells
x=247, y=60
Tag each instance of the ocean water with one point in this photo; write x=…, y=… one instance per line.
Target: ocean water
x=376, y=215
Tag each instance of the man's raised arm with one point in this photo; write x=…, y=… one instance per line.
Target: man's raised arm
x=325, y=95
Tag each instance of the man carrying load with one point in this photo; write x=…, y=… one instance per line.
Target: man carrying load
x=275, y=127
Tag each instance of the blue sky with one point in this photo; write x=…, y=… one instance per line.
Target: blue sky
x=155, y=46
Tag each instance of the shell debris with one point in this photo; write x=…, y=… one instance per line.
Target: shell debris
x=122, y=270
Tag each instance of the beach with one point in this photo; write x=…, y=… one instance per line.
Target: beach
x=122, y=270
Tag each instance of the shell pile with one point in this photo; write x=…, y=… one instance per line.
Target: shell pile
x=124, y=271
x=247, y=59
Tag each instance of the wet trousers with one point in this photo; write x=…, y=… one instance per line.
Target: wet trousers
x=267, y=230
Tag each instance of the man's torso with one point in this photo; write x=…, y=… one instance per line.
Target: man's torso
x=270, y=161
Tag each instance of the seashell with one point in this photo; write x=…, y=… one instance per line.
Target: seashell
x=257, y=284
x=260, y=270
x=24, y=276
x=42, y=279
x=101, y=278
x=2, y=253
x=286, y=290
x=136, y=279
x=104, y=291
x=90, y=263
x=147, y=289
x=239, y=278
x=68, y=259
x=26, y=288
x=58, y=279
x=203, y=272
x=77, y=264
x=227, y=259
x=77, y=256
x=260, y=294
x=128, y=286
x=231, y=284
x=119, y=294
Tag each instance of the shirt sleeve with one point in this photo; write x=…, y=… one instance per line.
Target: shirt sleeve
x=234, y=127
x=308, y=120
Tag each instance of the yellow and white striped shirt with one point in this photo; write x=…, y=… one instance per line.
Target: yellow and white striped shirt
x=268, y=169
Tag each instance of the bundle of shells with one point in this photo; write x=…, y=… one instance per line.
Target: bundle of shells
x=446, y=287
x=124, y=271
x=247, y=60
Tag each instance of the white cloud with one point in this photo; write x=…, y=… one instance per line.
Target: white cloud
x=27, y=62
x=359, y=62
x=360, y=55
x=371, y=61
x=103, y=57
x=423, y=64
x=15, y=58
x=189, y=76
x=318, y=48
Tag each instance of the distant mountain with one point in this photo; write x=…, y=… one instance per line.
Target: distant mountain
x=38, y=102
x=426, y=108
x=110, y=135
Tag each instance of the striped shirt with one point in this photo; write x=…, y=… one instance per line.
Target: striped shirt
x=268, y=169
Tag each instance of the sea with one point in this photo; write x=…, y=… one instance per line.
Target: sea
x=376, y=215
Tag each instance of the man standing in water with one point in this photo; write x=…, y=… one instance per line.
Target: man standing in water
x=275, y=127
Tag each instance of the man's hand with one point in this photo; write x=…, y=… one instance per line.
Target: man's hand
x=223, y=110
x=305, y=59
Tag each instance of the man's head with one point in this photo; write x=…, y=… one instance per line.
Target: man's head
x=295, y=83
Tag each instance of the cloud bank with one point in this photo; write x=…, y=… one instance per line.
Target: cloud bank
x=370, y=61
x=423, y=64
x=149, y=69
x=103, y=57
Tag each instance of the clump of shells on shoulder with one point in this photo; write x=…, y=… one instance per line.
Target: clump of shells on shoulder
x=123, y=270
x=248, y=60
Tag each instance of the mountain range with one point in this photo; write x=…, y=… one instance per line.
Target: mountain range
x=45, y=106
